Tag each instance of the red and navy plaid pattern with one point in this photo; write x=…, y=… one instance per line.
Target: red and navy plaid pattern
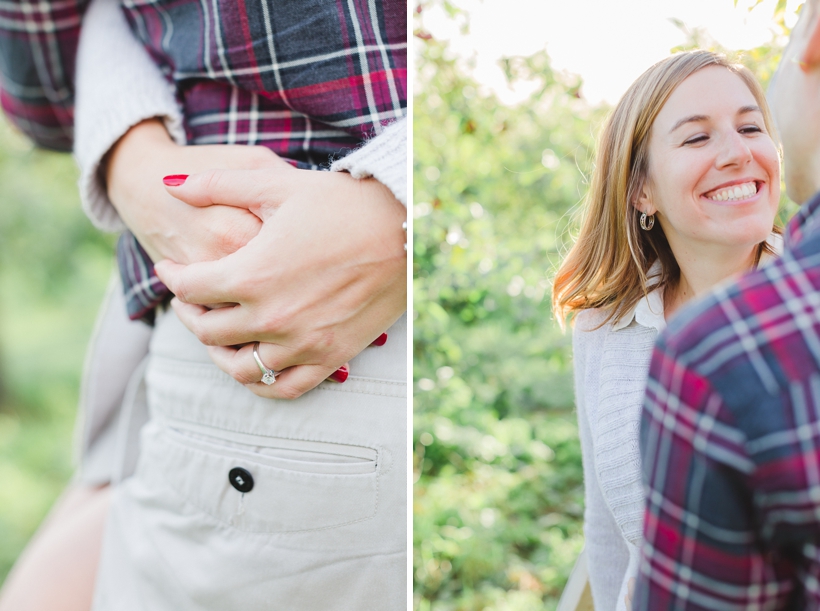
x=306, y=78
x=730, y=442
x=38, y=44
x=309, y=79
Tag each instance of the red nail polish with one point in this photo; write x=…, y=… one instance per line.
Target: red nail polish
x=340, y=375
x=380, y=341
x=174, y=180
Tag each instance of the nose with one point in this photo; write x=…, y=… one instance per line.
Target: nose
x=734, y=150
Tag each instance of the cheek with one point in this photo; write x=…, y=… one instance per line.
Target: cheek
x=680, y=184
x=681, y=215
x=673, y=179
x=768, y=158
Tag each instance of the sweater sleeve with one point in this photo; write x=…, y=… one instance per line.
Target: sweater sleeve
x=118, y=86
x=383, y=158
x=607, y=552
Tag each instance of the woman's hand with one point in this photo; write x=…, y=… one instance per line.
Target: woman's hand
x=326, y=274
x=164, y=226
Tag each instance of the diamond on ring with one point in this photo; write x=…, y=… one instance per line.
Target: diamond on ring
x=268, y=375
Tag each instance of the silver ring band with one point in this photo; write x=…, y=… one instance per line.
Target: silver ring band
x=268, y=375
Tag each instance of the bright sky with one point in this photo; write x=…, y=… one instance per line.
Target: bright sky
x=608, y=42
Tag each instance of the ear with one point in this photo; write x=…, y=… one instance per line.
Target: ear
x=644, y=201
x=810, y=58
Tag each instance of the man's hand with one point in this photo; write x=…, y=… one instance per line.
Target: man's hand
x=323, y=278
x=164, y=226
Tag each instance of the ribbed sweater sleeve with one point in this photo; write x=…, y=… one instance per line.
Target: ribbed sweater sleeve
x=118, y=86
x=383, y=158
x=607, y=551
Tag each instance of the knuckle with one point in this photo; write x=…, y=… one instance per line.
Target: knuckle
x=277, y=363
x=260, y=189
x=211, y=180
x=277, y=323
x=233, y=236
x=181, y=290
x=290, y=391
x=228, y=240
x=201, y=332
x=320, y=343
x=241, y=290
x=242, y=375
x=306, y=344
x=200, y=328
x=219, y=337
x=325, y=341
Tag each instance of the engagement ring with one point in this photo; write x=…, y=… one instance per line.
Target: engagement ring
x=268, y=375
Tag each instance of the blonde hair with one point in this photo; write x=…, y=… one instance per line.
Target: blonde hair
x=607, y=266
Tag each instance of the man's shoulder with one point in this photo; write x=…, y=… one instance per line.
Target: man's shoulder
x=756, y=322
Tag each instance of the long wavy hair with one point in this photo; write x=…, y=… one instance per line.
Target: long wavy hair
x=607, y=266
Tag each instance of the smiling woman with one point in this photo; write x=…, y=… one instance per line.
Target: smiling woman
x=684, y=195
x=634, y=177
x=713, y=179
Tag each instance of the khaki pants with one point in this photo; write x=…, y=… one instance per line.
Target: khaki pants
x=324, y=526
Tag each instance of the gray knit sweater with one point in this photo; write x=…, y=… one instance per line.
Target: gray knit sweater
x=611, y=367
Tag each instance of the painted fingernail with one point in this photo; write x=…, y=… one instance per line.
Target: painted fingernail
x=380, y=341
x=174, y=180
x=340, y=375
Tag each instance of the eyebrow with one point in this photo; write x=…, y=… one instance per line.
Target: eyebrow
x=695, y=118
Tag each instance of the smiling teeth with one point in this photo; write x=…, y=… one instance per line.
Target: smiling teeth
x=734, y=193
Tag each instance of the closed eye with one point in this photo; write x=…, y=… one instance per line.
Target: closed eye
x=750, y=129
x=697, y=139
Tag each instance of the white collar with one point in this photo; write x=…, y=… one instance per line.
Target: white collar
x=648, y=312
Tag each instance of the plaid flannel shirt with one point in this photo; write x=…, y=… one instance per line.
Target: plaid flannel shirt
x=309, y=79
x=730, y=442
x=38, y=43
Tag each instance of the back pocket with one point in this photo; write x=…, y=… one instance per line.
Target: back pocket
x=297, y=485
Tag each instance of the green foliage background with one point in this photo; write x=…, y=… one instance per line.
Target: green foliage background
x=498, y=503
x=498, y=494
x=53, y=270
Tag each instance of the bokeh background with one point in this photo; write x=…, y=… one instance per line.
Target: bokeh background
x=54, y=267
x=498, y=178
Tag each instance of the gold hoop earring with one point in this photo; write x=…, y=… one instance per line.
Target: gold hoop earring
x=647, y=221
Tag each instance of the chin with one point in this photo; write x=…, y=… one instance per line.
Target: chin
x=749, y=233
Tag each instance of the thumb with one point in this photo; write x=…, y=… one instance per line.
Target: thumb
x=254, y=190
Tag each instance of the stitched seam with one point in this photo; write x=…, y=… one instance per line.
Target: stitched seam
x=167, y=421
x=188, y=501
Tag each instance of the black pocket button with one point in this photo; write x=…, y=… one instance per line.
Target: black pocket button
x=241, y=479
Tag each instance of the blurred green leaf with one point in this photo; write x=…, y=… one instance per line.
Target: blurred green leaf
x=53, y=270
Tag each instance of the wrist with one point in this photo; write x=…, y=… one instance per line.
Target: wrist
x=143, y=144
x=392, y=219
x=128, y=171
